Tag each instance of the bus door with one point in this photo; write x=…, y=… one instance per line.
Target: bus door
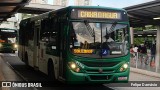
x=62, y=59
x=37, y=28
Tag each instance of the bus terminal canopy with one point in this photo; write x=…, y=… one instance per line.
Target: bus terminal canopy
x=10, y=7
x=144, y=14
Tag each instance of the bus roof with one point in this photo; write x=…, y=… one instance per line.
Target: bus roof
x=47, y=14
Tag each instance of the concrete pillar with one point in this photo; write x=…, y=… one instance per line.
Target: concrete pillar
x=132, y=35
x=157, y=49
x=18, y=19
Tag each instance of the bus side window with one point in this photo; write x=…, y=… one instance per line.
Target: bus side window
x=26, y=33
x=44, y=34
x=52, y=44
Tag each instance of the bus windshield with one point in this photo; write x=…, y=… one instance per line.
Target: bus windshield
x=99, y=40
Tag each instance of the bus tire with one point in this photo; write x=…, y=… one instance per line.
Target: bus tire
x=51, y=73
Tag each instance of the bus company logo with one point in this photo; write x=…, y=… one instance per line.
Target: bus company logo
x=6, y=84
x=20, y=84
x=100, y=70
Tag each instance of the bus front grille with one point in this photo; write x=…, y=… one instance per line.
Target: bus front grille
x=99, y=64
x=97, y=71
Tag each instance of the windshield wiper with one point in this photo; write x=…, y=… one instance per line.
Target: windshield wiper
x=90, y=30
x=112, y=27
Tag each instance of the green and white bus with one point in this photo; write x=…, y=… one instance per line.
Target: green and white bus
x=8, y=40
x=78, y=44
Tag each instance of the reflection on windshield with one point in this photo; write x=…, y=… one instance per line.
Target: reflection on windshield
x=106, y=40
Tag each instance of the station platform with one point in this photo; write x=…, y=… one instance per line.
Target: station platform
x=144, y=66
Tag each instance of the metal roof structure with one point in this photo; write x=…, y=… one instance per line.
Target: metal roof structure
x=10, y=7
x=143, y=14
x=35, y=8
x=148, y=33
x=139, y=15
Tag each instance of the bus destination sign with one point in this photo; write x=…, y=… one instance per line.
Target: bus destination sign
x=98, y=14
x=95, y=14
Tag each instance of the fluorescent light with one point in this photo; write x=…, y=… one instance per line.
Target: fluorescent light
x=149, y=35
x=156, y=18
x=139, y=35
x=148, y=25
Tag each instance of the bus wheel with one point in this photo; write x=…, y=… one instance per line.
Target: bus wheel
x=51, y=73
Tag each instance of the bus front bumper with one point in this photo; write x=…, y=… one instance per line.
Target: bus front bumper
x=81, y=78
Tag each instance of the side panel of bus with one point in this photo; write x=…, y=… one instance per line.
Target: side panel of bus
x=36, y=43
x=22, y=41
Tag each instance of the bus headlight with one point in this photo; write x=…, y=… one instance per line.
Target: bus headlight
x=15, y=46
x=124, y=67
x=74, y=66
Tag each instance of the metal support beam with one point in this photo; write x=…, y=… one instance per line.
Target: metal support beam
x=157, y=60
x=132, y=34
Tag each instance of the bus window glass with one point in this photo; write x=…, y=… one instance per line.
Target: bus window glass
x=44, y=34
x=99, y=39
x=51, y=35
x=30, y=31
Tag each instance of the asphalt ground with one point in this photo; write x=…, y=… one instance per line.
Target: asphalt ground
x=15, y=70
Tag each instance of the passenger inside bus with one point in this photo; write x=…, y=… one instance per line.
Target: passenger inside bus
x=85, y=45
x=106, y=40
